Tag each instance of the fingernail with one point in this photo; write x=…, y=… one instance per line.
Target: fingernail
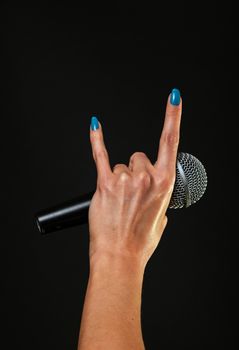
x=94, y=123
x=175, y=97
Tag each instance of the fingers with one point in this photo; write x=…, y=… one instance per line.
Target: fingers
x=119, y=168
x=99, y=151
x=169, y=140
x=139, y=162
x=168, y=145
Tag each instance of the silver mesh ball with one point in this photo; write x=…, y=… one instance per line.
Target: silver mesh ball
x=190, y=183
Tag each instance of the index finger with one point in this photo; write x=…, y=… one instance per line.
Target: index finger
x=169, y=140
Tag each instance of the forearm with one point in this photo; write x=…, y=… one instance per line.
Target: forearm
x=112, y=308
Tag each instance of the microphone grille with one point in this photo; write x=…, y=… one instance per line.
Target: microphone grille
x=190, y=183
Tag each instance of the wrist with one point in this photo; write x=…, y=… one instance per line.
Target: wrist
x=117, y=263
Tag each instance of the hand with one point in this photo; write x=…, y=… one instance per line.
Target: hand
x=127, y=212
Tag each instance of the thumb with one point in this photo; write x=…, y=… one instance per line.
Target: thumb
x=99, y=150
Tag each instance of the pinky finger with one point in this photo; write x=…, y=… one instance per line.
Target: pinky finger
x=99, y=151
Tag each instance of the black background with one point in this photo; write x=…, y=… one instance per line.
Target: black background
x=62, y=64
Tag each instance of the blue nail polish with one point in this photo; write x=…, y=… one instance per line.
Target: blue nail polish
x=94, y=123
x=175, y=97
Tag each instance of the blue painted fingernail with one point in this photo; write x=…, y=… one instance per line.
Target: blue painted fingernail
x=175, y=97
x=94, y=123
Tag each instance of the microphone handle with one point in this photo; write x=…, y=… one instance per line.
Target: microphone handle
x=67, y=214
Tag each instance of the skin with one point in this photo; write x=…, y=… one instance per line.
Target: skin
x=127, y=217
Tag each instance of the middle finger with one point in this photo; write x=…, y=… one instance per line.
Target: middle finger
x=119, y=168
x=140, y=162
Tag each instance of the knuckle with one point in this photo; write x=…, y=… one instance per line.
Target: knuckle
x=136, y=155
x=165, y=183
x=143, y=178
x=104, y=186
x=119, y=166
x=174, y=112
x=101, y=153
x=170, y=138
x=123, y=177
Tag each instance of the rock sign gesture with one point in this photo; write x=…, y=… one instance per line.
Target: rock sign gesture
x=127, y=214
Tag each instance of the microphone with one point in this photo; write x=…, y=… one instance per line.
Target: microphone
x=190, y=185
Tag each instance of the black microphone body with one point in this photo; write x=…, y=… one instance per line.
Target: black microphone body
x=190, y=185
x=67, y=214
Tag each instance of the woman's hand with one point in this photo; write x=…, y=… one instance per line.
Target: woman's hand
x=127, y=212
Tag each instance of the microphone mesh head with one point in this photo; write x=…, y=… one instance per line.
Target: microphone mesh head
x=190, y=183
